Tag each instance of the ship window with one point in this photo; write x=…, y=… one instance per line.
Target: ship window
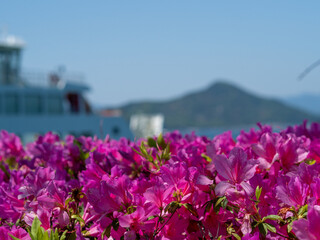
x=87, y=134
x=11, y=103
x=33, y=104
x=9, y=66
x=55, y=105
x=73, y=99
x=115, y=130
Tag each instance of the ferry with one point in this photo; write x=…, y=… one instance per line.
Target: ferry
x=33, y=103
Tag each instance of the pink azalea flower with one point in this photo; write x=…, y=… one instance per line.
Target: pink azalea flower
x=175, y=228
x=292, y=191
x=266, y=150
x=157, y=194
x=4, y=233
x=20, y=233
x=42, y=214
x=308, y=229
x=246, y=139
x=112, y=195
x=137, y=220
x=10, y=145
x=290, y=152
x=10, y=206
x=315, y=150
x=214, y=222
x=224, y=142
x=236, y=169
x=53, y=197
x=315, y=190
x=36, y=182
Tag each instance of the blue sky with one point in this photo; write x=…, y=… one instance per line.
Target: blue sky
x=136, y=50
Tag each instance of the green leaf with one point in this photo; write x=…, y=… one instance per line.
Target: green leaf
x=143, y=150
x=67, y=201
x=270, y=227
x=115, y=224
x=135, y=150
x=39, y=235
x=172, y=207
x=76, y=142
x=161, y=143
x=150, y=159
x=3, y=168
x=272, y=217
x=64, y=235
x=208, y=207
x=166, y=154
x=152, y=143
x=219, y=201
x=289, y=227
x=84, y=156
x=303, y=210
x=224, y=203
x=310, y=161
x=45, y=235
x=152, y=217
x=191, y=209
x=13, y=237
x=35, y=229
x=106, y=232
x=131, y=209
x=79, y=218
x=73, y=236
x=54, y=235
x=207, y=158
x=258, y=192
x=236, y=236
x=263, y=229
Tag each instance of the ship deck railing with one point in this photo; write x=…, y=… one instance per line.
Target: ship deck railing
x=50, y=79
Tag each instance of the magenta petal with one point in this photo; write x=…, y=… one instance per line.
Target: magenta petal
x=222, y=187
x=63, y=219
x=314, y=217
x=247, y=188
x=131, y=235
x=79, y=233
x=44, y=217
x=259, y=150
x=246, y=225
x=203, y=180
x=301, y=229
x=47, y=201
x=223, y=166
x=251, y=237
x=236, y=168
x=125, y=221
x=20, y=233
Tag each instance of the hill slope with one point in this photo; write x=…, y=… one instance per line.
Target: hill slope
x=221, y=104
x=308, y=102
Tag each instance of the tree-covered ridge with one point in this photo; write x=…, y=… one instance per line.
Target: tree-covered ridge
x=222, y=104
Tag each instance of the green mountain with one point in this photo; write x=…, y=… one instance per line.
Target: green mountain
x=222, y=104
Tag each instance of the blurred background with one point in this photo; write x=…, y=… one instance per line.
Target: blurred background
x=97, y=68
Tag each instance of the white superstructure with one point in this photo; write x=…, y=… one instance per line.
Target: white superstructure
x=144, y=125
x=35, y=103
